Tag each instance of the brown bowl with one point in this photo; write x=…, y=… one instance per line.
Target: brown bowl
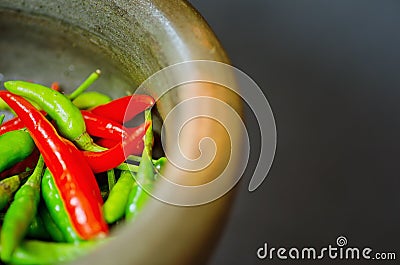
x=129, y=41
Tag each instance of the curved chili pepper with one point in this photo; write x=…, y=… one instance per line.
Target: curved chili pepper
x=15, y=146
x=37, y=229
x=138, y=196
x=20, y=167
x=3, y=105
x=21, y=213
x=67, y=116
x=106, y=143
x=95, y=126
x=111, y=158
x=51, y=227
x=7, y=188
x=11, y=125
x=10, y=185
x=125, y=108
x=55, y=206
x=104, y=128
x=91, y=99
x=72, y=174
x=115, y=205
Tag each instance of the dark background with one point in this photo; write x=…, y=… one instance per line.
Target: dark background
x=330, y=72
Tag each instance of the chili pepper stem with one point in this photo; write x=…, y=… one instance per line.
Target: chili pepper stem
x=85, y=85
x=128, y=167
x=139, y=158
x=21, y=213
x=111, y=179
x=2, y=116
x=85, y=142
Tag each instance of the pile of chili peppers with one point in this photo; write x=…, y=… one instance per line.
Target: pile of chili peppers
x=65, y=179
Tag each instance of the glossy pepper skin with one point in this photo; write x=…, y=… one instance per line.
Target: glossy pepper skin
x=72, y=174
x=107, y=143
x=11, y=125
x=15, y=146
x=9, y=186
x=125, y=108
x=115, y=205
x=104, y=128
x=55, y=206
x=37, y=229
x=95, y=125
x=91, y=99
x=21, y=213
x=106, y=160
x=67, y=116
x=20, y=167
x=51, y=227
x=138, y=196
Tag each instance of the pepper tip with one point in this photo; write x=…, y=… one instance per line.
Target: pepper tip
x=10, y=84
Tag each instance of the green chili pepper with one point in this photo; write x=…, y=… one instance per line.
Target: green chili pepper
x=51, y=227
x=138, y=196
x=7, y=188
x=160, y=163
x=91, y=99
x=39, y=252
x=55, y=205
x=4, y=105
x=67, y=116
x=21, y=213
x=115, y=205
x=15, y=146
x=37, y=229
x=10, y=185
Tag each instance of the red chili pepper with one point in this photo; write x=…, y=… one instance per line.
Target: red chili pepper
x=29, y=162
x=72, y=174
x=125, y=108
x=113, y=157
x=104, y=128
x=107, y=143
x=96, y=125
x=13, y=124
